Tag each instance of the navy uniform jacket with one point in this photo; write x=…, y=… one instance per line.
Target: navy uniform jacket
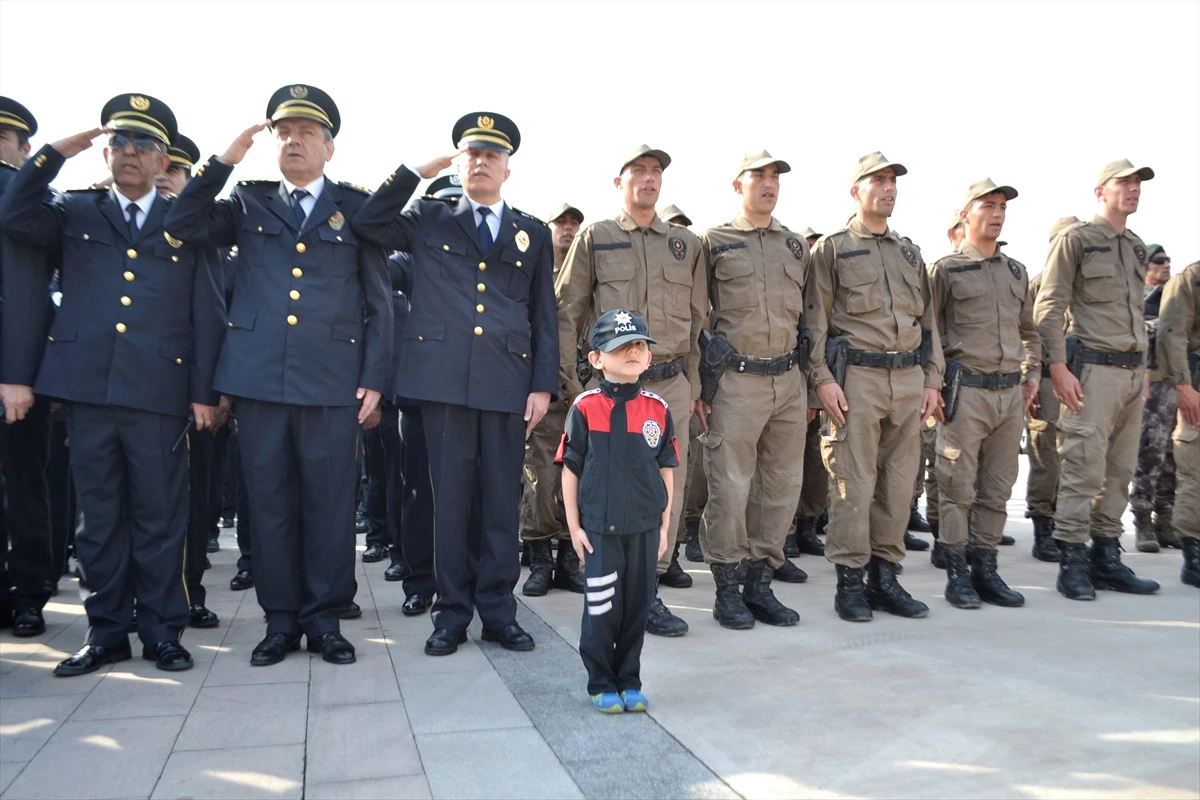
x=311, y=318
x=400, y=270
x=25, y=283
x=141, y=320
x=483, y=329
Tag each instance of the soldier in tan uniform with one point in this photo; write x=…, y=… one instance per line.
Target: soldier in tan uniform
x=656, y=270
x=868, y=288
x=1095, y=271
x=991, y=347
x=1178, y=350
x=754, y=449
x=674, y=213
x=542, y=517
x=1041, y=487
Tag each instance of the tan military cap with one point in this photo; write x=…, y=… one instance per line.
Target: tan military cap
x=955, y=219
x=565, y=208
x=985, y=187
x=809, y=233
x=646, y=150
x=674, y=213
x=873, y=162
x=759, y=159
x=1061, y=224
x=1121, y=169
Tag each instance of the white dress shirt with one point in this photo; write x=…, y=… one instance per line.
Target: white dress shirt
x=493, y=219
x=143, y=203
x=313, y=189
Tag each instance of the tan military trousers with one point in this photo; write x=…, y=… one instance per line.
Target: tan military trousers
x=814, y=494
x=542, y=514
x=1097, y=450
x=678, y=394
x=1041, y=488
x=754, y=457
x=977, y=465
x=872, y=461
x=696, y=494
x=1186, y=519
x=927, y=471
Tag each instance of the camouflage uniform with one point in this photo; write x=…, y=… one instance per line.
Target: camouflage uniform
x=1154, y=479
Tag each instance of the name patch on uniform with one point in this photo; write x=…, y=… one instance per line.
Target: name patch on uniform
x=721, y=248
x=337, y=221
x=651, y=432
x=853, y=253
x=963, y=268
x=1140, y=252
x=794, y=245
x=522, y=241
x=909, y=255
x=678, y=248
x=1014, y=269
x=611, y=245
x=1098, y=248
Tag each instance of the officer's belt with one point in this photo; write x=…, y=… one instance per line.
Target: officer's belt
x=893, y=360
x=663, y=371
x=1106, y=359
x=1005, y=380
x=764, y=366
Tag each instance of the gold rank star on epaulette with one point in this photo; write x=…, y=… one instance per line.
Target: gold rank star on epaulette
x=528, y=216
x=355, y=187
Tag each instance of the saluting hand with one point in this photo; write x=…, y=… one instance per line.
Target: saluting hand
x=370, y=401
x=74, y=145
x=245, y=140
x=432, y=168
x=17, y=400
x=1067, y=387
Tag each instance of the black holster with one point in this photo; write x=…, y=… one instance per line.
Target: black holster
x=952, y=382
x=837, y=354
x=1075, y=357
x=583, y=368
x=926, y=347
x=714, y=358
x=804, y=345
x=1194, y=369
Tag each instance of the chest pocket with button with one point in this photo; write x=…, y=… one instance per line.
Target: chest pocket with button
x=678, y=289
x=908, y=296
x=733, y=277
x=858, y=277
x=259, y=232
x=793, y=288
x=614, y=269
x=519, y=267
x=972, y=292
x=1098, y=274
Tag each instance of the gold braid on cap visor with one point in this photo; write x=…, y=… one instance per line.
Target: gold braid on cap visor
x=486, y=135
x=301, y=108
x=132, y=120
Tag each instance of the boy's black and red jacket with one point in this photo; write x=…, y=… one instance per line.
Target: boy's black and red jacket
x=617, y=438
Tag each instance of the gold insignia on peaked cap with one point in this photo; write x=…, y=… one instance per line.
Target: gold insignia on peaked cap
x=139, y=103
x=486, y=122
x=522, y=240
x=299, y=92
x=140, y=114
x=301, y=101
x=487, y=130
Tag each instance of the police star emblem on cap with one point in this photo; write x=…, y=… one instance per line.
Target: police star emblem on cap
x=299, y=91
x=302, y=101
x=140, y=114
x=623, y=318
x=139, y=103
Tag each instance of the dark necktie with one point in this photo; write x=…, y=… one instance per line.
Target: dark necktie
x=132, y=209
x=485, y=232
x=297, y=209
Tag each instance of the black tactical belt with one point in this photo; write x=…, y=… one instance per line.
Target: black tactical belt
x=1006, y=380
x=897, y=360
x=660, y=372
x=764, y=366
x=1107, y=359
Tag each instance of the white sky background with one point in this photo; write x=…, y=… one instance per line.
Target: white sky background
x=1035, y=94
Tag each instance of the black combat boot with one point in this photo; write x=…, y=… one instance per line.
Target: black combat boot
x=662, y=622
x=568, y=572
x=1164, y=531
x=1073, y=581
x=885, y=593
x=788, y=573
x=959, y=591
x=541, y=569
x=730, y=608
x=850, y=602
x=806, y=537
x=937, y=556
x=1044, y=547
x=916, y=522
x=524, y=554
x=822, y=523
x=675, y=577
x=1108, y=572
x=740, y=571
x=1191, y=561
x=691, y=547
x=988, y=583
x=761, y=601
x=790, y=548
x=1144, y=538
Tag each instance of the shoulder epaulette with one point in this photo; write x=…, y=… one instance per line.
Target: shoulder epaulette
x=10, y=166
x=355, y=187
x=258, y=183
x=86, y=189
x=653, y=396
x=529, y=217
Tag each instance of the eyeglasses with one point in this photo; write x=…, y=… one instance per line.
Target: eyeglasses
x=1160, y=260
x=142, y=144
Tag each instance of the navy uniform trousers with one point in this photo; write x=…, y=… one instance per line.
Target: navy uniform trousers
x=32, y=567
x=201, y=525
x=412, y=483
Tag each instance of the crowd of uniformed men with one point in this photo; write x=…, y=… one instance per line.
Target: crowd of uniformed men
x=303, y=351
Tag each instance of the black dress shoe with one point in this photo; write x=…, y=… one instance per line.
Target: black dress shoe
x=213, y=545
x=273, y=649
x=374, y=552
x=201, y=617
x=394, y=572
x=207, y=563
x=29, y=623
x=443, y=642
x=1007, y=540
x=333, y=648
x=243, y=580
x=913, y=543
x=415, y=605
x=510, y=637
x=91, y=658
x=351, y=611
x=227, y=522
x=168, y=655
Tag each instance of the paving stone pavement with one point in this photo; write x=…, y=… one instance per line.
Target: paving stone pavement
x=1056, y=699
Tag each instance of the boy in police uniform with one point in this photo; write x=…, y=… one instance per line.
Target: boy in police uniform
x=619, y=518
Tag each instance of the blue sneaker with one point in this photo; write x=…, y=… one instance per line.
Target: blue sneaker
x=634, y=700
x=608, y=703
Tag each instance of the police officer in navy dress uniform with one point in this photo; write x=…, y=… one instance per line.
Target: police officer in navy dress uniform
x=306, y=355
x=481, y=354
x=134, y=341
